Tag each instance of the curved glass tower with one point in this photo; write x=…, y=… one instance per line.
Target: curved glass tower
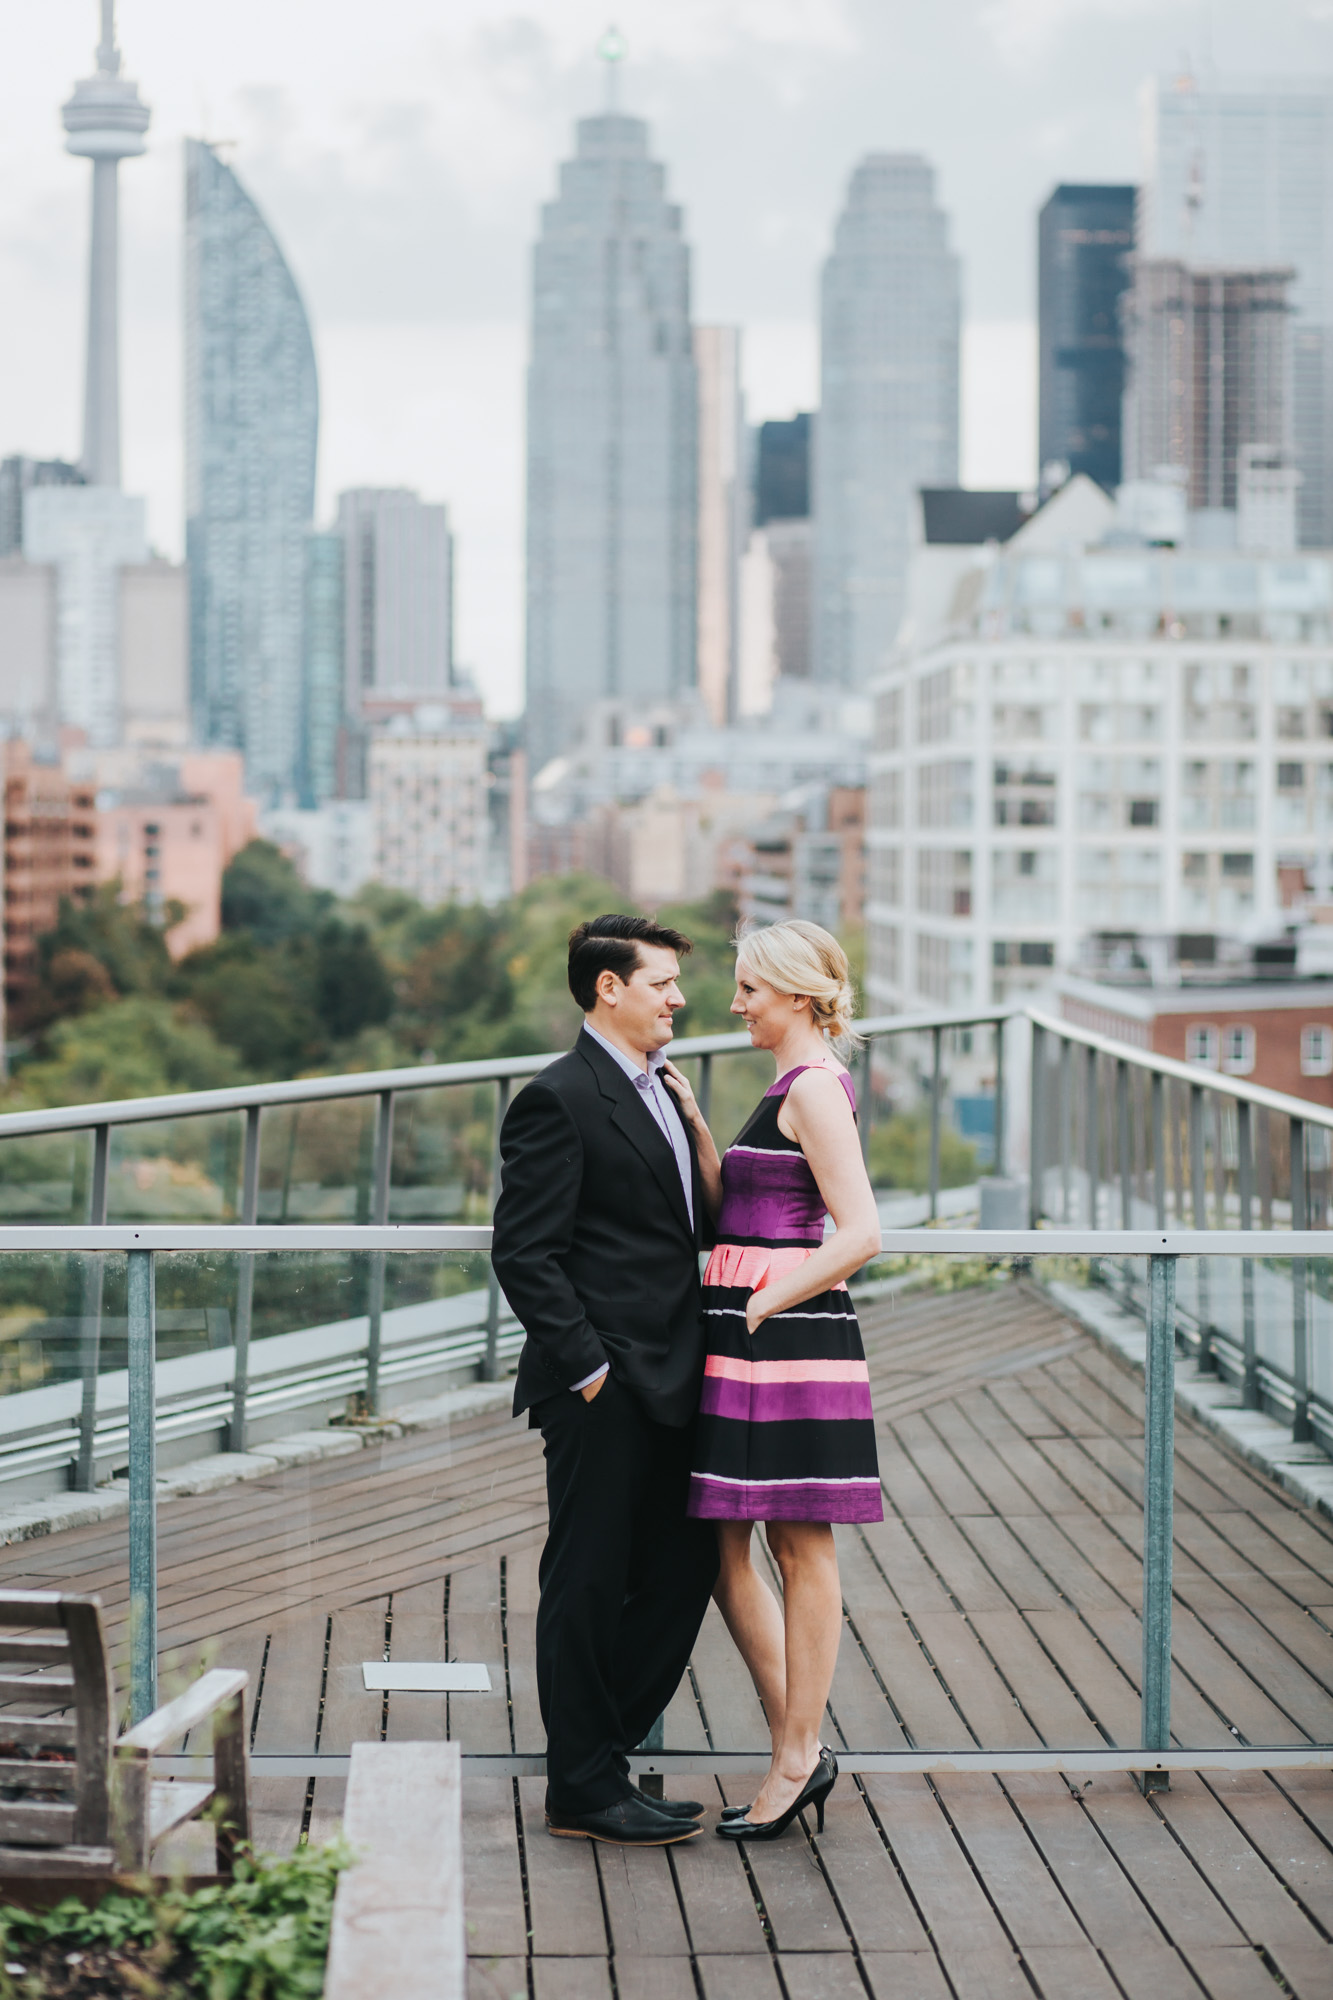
x=252, y=422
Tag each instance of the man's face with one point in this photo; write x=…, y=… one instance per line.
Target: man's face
x=644, y=1004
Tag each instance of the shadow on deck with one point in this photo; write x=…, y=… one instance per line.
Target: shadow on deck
x=998, y=1605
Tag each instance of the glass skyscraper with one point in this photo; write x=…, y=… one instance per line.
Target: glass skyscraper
x=252, y=421
x=322, y=705
x=888, y=419
x=1084, y=239
x=612, y=441
x=1240, y=175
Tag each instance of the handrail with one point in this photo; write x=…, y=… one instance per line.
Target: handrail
x=1181, y=1072
x=395, y=1238
x=421, y=1076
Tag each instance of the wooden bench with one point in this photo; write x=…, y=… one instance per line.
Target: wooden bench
x=72, y=1804
x=398, y=1913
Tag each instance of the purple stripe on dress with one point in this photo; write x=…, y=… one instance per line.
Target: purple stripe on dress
x=785, y=1500
x=770, y=1195
x=786, y=1402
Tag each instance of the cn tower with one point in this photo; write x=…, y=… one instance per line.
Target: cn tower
x=105, y=121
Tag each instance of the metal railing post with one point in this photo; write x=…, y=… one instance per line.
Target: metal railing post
x=1158, y=1507
x=490, y=1365
x=245, y=1283
x=705, y=1087
x=379, y=1213
x=1300, y=1330
x=1036, y=1108
x=1159, y=1151
x=1092, y=1138
x=1249, y=1393
x=651, y=1781
x=997, y=1166
x=1066, y=1128
x=140, y=1286
x=1207, y=1358
x=936, y=1065
x=90, y=1320
x=863, y=1104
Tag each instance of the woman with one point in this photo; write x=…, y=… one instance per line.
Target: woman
x=786, y=1430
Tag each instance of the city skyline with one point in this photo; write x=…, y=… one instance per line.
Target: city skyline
x=304, y=117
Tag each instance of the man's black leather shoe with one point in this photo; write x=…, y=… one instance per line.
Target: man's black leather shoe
x=631, y=1822
x=673, y=1808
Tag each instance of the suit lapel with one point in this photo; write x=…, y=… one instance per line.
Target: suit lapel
x=630, y=1115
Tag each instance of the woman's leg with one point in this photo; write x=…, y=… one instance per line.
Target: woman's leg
x=812, y=1600
x=753, y=1618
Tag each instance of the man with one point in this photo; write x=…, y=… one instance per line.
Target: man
x=598, y=1229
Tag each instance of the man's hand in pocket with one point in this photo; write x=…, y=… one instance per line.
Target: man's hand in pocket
x=591, y=1389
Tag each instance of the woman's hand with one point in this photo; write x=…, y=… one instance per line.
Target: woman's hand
x=679, y=1086
x=755, y=1312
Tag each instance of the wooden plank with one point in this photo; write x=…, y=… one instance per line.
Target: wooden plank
x=905, y=1975
x=397, y=1931
x=992, y=1712
x=654, y=1979
x=868, y=1886
x=571, y=1979
x=1099, y=1892
x=732, y=1712
x=492, y=1877
x=643, y=1918
x=478, y=1722
x=1017, y=1576
x=969, y=1583
x=497, y=1978
x=1050, y=1703
x=417, y=1633
x=1188, y=1911
x=1289, y=1844
x=521, y=1629
x=739, y=1976
x=1256, y=1900
x=934, y=1867
x=564, y=1893
x=1151, y=1972
x=715, y=1891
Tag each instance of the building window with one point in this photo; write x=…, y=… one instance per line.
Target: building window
x=1201, y=1045
x=1025, y=951
x=1238, y=1050
x=1316, y=1050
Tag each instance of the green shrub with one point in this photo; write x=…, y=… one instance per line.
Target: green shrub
x=262, y=1936
x=900, y=1153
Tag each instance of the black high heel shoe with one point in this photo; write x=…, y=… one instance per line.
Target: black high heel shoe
x=739, y=1812
x=813, y=1793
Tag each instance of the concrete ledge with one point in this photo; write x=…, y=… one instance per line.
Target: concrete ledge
x=230, y=1468
x=1303, y=1470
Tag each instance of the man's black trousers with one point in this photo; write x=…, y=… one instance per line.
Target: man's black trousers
x=625, y=1582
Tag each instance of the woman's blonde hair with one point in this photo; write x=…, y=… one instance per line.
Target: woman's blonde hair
x=801, y=958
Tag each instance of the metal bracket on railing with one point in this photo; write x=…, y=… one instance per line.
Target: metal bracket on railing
x=142, y=1305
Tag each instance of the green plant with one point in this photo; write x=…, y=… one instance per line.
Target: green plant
x=262, y=1936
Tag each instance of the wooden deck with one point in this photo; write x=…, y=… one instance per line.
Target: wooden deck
x=997, y=1605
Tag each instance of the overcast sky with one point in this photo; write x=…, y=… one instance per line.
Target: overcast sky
x=400, y=150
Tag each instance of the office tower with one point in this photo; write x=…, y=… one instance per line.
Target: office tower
x=1084, y=239
x=323, y=674
x=888, y=419
x=723, y=511
x=1239, y=175
x=105, y=122
x=782, y=469
x=398, y=596
x=89, y=534
x=252, y=419
x=1209, y=354
x=612, y=417
x=18, y=476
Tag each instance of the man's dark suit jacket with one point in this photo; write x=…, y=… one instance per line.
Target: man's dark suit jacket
x=593, y=1244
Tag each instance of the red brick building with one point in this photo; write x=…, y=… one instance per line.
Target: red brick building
x=1277, y=1033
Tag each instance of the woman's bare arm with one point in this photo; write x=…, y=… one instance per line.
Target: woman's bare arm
x=710, y=1166
x=817, y=1114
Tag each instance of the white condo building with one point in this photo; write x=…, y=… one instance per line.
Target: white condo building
x=426, y=780
x=1084, y=731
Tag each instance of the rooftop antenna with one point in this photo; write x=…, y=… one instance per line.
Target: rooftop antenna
x=612, y=49
x=108, y=55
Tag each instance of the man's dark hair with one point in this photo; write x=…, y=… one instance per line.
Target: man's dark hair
x=611, y=944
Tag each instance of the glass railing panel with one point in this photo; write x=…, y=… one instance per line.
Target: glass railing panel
x=443, y=1148
x=315, y=1161
x=45, y=1179
x=176, y=1170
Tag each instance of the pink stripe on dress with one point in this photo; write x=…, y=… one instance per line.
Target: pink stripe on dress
x=752, y=1266
x=733, y=1369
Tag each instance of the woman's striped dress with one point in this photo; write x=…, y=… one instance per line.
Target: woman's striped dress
x=786, y=1430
